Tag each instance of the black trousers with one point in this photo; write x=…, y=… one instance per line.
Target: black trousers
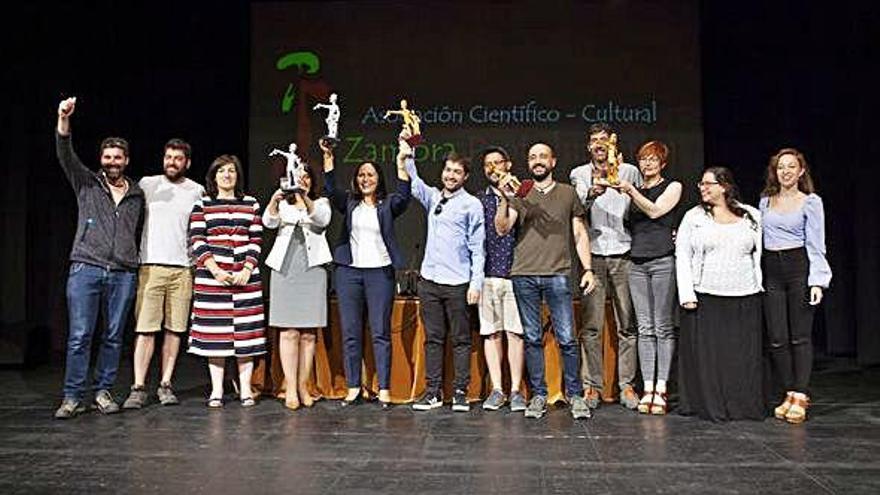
x=445, y=307
x=789, y=316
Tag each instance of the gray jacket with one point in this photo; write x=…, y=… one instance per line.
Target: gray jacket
x=106, y=233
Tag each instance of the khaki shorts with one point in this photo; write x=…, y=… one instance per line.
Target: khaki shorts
x=164, y=293
x=498, y=307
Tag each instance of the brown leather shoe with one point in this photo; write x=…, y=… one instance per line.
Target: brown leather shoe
x=591, y=395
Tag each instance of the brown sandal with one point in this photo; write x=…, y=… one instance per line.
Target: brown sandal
x=644, y=406
x=782, y=409
x=659, y=408
x=797, y=413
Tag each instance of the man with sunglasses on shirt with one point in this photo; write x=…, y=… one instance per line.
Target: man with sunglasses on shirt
x=451, y=273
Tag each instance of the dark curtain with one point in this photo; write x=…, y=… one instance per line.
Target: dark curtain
x=797, y=74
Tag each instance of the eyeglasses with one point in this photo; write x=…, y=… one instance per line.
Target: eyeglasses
x=496, y=163
x=439, y=209
x=707, y=183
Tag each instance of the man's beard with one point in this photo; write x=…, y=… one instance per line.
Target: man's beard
x=175, y=176
x=540, y=177
x=455, y=187
x=112, y=172
x=594, y=155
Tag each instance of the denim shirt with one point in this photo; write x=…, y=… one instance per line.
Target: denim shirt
x=454, y=252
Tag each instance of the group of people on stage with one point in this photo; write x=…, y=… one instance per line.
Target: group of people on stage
x=506, y=250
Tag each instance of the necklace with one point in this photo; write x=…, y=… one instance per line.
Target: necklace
x=544, y=190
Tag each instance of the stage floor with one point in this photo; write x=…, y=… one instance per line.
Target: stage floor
x=268, y=449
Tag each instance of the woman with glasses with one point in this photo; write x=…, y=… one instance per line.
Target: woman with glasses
x=795, y=274
x=298, y=292
x=227, y=316
x=365, y=257
x=652, y=275
x=718, y=268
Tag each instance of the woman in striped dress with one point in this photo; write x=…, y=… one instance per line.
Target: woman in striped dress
x=227, y=315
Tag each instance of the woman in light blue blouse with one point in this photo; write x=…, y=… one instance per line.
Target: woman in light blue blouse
x=795, y=274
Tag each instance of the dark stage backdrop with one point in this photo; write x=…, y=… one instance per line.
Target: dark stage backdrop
x=477, y=74
x=784, y=74
x=780, y=74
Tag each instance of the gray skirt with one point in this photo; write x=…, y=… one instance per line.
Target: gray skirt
x=297, y=293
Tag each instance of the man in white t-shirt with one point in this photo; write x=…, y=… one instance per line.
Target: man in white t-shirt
x=165, y=278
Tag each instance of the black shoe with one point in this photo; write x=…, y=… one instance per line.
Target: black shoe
x=386, y=406
x=428, y=402
x=459, y=401
x=354, y=402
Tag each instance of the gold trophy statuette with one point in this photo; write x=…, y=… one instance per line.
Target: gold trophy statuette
x=411, y=123
x=611, y=176
x=505, y=179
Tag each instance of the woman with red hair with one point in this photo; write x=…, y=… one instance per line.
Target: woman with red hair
x=652, y=276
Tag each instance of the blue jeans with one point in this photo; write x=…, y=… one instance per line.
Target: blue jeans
x=90, y=290
x=555, y=289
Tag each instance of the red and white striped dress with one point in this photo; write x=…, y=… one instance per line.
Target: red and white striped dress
x=227, y=320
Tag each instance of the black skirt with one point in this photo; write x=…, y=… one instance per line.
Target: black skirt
x=720, y=362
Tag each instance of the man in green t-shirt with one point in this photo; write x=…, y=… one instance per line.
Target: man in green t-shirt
x=548, y=218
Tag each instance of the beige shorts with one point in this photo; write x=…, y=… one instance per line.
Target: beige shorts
x=498, y=307
x=164, y=293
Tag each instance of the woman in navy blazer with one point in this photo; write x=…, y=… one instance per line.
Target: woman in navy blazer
x=366, y=256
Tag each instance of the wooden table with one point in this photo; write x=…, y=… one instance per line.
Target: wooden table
x=408, y=359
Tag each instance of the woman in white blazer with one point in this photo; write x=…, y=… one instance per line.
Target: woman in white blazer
x=298, y=284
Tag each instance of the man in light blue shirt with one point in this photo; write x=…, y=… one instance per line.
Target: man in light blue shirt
x=452, y=273
x=610, y=243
